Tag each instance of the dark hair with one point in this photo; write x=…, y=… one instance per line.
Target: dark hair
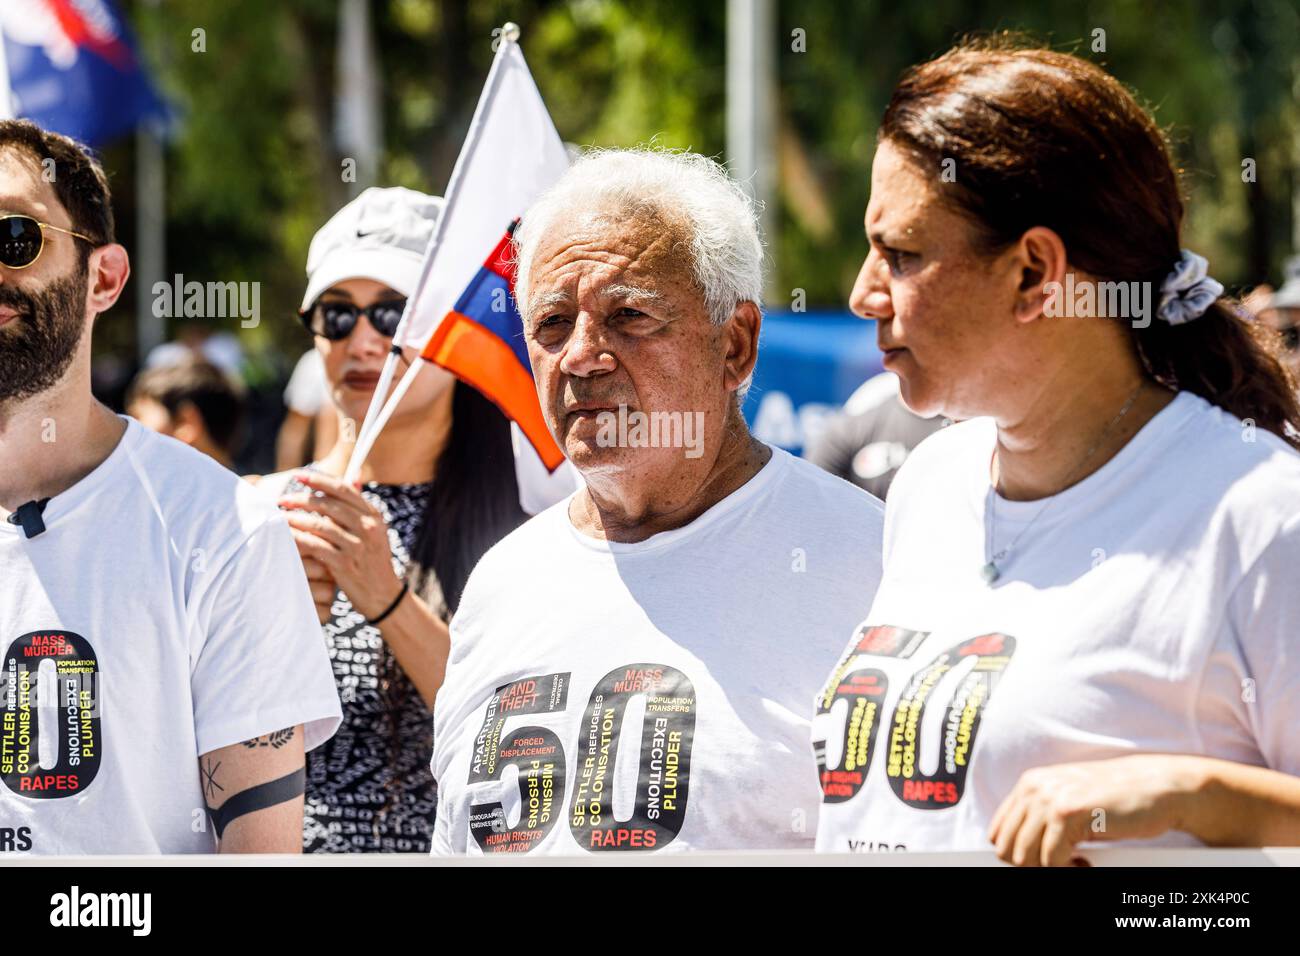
x=79, y=180
x=1043, y=138
x=216, y=398
x=474, y=502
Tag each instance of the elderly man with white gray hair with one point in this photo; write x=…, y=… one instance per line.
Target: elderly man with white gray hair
x=632, y=669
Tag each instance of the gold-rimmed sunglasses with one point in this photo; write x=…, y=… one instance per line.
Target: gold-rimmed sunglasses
x=22, y=240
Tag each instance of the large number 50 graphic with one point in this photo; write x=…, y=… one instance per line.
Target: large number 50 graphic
x=856, y=694
x=50, y=739
x=663, y=767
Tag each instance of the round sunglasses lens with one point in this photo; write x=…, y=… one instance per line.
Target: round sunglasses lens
x=386, y=316
x=335, y=320
x=20, y=241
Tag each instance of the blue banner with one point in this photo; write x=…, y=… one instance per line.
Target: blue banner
x=809, y=363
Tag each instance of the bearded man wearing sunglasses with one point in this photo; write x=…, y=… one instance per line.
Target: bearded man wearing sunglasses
x=161, y=657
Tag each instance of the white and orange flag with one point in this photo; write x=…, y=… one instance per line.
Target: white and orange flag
x=462, y=315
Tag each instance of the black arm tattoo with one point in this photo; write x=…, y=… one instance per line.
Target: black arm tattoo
x=210, y=785
x=276, y=739
x=259, y=798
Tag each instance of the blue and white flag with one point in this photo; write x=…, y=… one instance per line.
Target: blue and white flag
x=71, y=66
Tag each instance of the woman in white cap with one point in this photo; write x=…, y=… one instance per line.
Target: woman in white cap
x=387, y=560
x=1088, y=627
x=1281, y=312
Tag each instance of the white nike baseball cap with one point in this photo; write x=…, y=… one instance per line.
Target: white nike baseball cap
x=1288, y=297
x=380, y=235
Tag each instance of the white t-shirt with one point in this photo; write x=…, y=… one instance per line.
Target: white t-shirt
x=163, y=614
x=650, y=695
x=221, y=349
x=308, y=389
x=1152, y=608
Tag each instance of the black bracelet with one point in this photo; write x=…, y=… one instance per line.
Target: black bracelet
x=406, y=586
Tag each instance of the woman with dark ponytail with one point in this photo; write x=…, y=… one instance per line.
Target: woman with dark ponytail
x=1088, y=628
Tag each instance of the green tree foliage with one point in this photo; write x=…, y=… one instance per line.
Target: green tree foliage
x=252, y=170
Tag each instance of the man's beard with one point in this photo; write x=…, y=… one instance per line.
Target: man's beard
x=38, y=344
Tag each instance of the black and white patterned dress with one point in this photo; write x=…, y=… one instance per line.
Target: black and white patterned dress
x=369, y=787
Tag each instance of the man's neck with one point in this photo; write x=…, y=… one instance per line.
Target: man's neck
x=51, y=441
x=1071, y=430
x=603, y=511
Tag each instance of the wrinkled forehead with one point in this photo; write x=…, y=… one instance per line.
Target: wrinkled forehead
x=25, y=186
x=611, y=244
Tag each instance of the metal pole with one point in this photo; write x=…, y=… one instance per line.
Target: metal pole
x=150, y=255
x=150, y=258
x=6, y=104
x=358, y=120
x=1295, y=168
x=751, y=114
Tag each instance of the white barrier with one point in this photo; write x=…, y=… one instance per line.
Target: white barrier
x=1114, y=856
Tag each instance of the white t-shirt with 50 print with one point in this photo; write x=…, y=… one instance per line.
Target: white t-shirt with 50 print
x=1150, y=608
x=654, y=695
x=162, y=614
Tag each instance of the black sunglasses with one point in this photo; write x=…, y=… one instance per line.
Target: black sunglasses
x=22, y=239
x=336, y=320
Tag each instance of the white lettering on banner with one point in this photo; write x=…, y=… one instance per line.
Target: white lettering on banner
x=777, y=423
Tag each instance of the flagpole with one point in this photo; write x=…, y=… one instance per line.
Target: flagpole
x=366, y=441
x=374, y=423
x=6, y=101
x=373, y=408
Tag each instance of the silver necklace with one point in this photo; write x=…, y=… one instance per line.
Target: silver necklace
x=990, y=570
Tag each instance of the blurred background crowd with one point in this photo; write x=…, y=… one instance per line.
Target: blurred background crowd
x=232, y=130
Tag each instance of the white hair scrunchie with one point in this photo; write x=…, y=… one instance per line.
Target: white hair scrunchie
x=1187, y=291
